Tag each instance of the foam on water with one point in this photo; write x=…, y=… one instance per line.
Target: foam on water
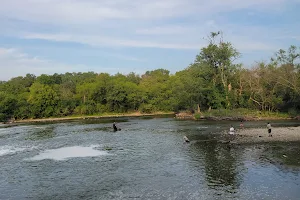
x=5, y=150
x=68, y=152
x=4, y=130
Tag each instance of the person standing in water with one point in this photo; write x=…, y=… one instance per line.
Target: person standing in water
x=115, y=127
x=186, y=139
x=241, y=125
x=231, y=130
x=269, y=129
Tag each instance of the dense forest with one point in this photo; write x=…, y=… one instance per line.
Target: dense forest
x=214, y=80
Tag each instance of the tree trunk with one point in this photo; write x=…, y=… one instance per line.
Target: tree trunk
x=241, y=87
x=224, y=82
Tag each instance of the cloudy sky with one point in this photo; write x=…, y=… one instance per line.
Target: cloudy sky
x=48, y=36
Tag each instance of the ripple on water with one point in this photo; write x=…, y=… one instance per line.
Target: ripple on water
x=202, y=127
x=5, y=150
x=68, y=152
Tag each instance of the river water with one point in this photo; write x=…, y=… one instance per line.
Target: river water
x=147, y=159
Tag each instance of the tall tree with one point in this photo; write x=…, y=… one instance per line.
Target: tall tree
x=219, y=56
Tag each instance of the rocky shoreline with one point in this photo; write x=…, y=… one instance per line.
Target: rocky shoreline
x=260, y=135
x=181, y=115
x=231, y=118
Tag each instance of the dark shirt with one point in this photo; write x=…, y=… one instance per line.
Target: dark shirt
x=115, y=127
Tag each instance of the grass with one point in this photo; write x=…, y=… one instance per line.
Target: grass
x=243, y=113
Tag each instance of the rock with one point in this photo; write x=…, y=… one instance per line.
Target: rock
x=184, y=115
x=297, y=118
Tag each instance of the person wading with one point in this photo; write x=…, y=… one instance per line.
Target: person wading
x=115, y=126
x=241, y=125
x=269, y=129
x=231, y=130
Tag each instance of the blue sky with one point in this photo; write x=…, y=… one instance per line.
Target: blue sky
x=58, y=36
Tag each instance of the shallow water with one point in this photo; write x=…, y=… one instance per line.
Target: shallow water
x=85, y=159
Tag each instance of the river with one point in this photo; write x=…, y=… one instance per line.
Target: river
x=147, y=159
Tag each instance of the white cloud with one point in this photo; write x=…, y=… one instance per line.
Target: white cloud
x=131, y=23
x=296, y=37
x=98, y=40
x=13, y=63
x=126, y=57
x=96, y=12
x=165, y=24
x=244, y=38
x=165, y=30
x=288, y=36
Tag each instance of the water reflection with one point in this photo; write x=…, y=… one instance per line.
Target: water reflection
x=285, y=156
x=41, y=132
x=221, y=165
x=104, y=120
x=105, y=129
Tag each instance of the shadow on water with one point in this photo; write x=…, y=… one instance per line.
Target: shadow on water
x=41, y=133
x=285, y=156
x=8, y=125
x=222, y=166
x=80, y=121
x=105, y=129
x=103, y=121
x=156, y=116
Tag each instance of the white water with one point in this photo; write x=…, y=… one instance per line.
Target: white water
x=68, y=152
x=5, y=150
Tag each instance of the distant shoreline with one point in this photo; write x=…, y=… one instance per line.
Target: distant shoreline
x=184, y=115
x=92, y=117
x=179, y=116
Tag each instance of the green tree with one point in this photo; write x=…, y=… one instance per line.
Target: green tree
x=43, y=100
x=7, y=106
x=220, y=57
x=154, y=85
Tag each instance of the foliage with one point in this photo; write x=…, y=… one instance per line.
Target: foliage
x=242, y=112
x=214, y=84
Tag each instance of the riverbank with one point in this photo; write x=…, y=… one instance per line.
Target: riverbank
x=260, y=135
x=235, y=115
x=135, y=114
x=232, y=118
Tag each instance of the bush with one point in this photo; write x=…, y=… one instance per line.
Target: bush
x=146, y=108
x=243, y=112
x=293, y=112
x=3, y=117
x=102, y=108
x=197, y=116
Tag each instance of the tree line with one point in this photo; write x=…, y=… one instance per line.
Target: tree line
x=213, y=81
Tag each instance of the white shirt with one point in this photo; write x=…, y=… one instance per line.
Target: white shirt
x=231, y=130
